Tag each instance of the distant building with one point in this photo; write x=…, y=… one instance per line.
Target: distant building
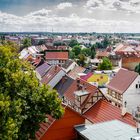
x=56, y=58
x=130, y=55
x=102, y=54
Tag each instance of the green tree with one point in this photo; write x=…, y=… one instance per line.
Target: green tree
x=86, y=51
x=72, y=55
x=81, y=60
x=58, y=43
x=73, y=43
x=105, y=65
x=77, y=50
x=23, y=102
x=93, y=51
x=26, y=42
x=106, y=42
x=137, y=68
x=41, y=42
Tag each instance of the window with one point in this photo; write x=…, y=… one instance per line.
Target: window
x=136, y=85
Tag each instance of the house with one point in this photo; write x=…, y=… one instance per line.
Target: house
x=53, y=76
x=103, y=111
x=124, y=89
x=95, y=62
x=110, y=130
x=74, y=73
x=61, y=129
x=56, y=48
x=56, y=58
x=102, y=54
x=69, y=65
x=41, y=70
x=115, y=59
x=130, y=55
x=81, y=95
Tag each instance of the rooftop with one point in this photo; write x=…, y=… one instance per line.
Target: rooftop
x=43, y=69
x=74, y=73
x=111, y=130
x=70, y=92
x=104, y=111
x=50, y=74
x=63, y=85
x=67, y=64
x=57, y=55
x=125, y=77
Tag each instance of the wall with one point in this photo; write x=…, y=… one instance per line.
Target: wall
x=132, y=96
x=130, y=62
x=63, y=129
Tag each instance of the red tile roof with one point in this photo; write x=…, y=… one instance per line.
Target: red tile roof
x=57, y=55
x=69, y=94
x=102, y=54
x=122, y=80
x=50, y=74
x=104, y=111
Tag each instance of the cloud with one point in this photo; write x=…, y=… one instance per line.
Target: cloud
x=122, y=5
x=45, y=20
x=64, y=5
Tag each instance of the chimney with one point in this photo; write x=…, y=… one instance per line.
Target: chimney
x=83, y=87
x=78, y=84
x=124, y=110
x=55, y=67
x=64, y=78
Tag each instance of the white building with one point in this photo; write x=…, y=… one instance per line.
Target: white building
x=124, y=90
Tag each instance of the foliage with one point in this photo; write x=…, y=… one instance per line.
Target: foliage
x=13, y=45
x=93, y=51
x=81, y=60
x=73, y=43
x=58, y=43
x=103, y=44
x=137, y=68
x=106, y=42
x=41, y=42
x=77, y=50
x=72, y=55
x=86, y=51
x=105, y=65
x=26, y=42
x=23, y=102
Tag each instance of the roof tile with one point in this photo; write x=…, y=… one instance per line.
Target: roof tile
x=104, y=111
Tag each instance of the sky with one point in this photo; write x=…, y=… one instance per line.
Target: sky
x=70, y=16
